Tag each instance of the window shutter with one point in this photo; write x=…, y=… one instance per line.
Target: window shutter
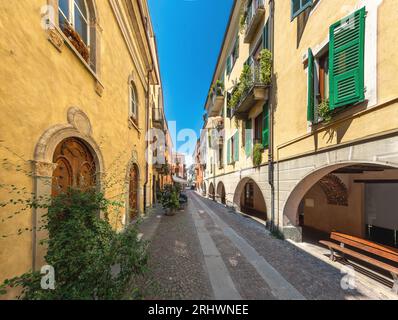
x=311, y=106
x=229, y=65
x=229, y=151
x=346, y=60
x=266, y=125
x=248, y=138
x=266, y=44
x=236, y=148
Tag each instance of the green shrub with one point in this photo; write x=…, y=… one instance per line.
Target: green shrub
x=258, y=154
x=83, y=249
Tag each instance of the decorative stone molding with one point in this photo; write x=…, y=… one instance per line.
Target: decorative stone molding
x=335, y=190
x=55, y=38
x=79, y=120
x=43, y=169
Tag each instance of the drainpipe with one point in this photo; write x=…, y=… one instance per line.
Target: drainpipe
x=271, y=119
x=147, y=106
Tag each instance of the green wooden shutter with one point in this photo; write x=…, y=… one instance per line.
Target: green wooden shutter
x=266, y=44
x=229, y=151
x=248, y=138
x=310, y=107
x=346, y=60
x=266, y=125
x=236, y=148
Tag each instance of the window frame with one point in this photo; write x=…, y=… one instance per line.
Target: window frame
x=295, y=14
x=71, y=19
x=133, y=100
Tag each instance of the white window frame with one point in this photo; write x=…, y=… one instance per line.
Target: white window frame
x=133, y=101
x=71, y=17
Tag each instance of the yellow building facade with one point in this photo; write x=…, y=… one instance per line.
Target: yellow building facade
x=80, y=87
x=327, y=120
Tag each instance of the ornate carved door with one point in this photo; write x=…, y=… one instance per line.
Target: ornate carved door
x=75, y=166
x=133, y=192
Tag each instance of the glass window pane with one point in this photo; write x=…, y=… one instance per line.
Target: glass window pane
x=81, y=26
x=296, y=6
x=81, y=4
x=64, y=7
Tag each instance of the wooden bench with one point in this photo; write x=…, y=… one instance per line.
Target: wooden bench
x=373, y=248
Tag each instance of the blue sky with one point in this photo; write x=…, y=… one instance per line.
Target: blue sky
x=189, y=35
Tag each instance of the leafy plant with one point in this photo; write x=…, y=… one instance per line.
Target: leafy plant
x=265, y=66
x=170, y=197
x=258, y=154
x=324, y=111
x=242, y=20
x=91, y=260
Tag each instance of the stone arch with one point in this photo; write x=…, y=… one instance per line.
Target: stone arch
x=259, y=207
x=79, y=127
x=212, y=191
x=133, y=163
x=221, y=194
x=290, y=209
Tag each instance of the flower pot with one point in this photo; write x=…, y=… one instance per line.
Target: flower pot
x=170, y=212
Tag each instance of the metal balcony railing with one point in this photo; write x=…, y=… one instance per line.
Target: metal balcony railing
x=252, y=88
x=253, y=17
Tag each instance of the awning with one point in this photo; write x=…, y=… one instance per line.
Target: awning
x=179, y=180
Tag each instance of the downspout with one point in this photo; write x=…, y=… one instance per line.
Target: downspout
x=147, y=106
x=271, y=120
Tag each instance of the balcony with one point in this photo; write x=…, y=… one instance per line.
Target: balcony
x=216, y=100
x=254, y=14
x=253, y=88
x=158, y=118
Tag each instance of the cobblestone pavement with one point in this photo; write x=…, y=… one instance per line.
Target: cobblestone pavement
x=211, y=252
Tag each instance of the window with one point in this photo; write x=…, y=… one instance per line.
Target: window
x=75, y=14
x=233, y=149
x=258, y=129
x=220, y=156
x=248, y=138
x=266, y=125
x=133, y=103
x=298, y=6
x=266, y=37
x=336, y=75
x=231, y=60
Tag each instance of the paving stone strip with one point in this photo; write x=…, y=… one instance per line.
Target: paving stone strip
x=280, y=287
x=220, y=279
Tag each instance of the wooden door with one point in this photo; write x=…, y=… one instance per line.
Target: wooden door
x=75, y=167
x=133, y=192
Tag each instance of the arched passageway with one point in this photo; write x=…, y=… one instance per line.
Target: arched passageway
x=212, y=194
x=358, y=199
x=250, y=200
x=221, y=195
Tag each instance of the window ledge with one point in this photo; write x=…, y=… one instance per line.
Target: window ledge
x=133, y=124
x=58, y=39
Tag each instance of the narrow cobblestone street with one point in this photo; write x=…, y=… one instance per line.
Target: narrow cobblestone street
x=208, y=251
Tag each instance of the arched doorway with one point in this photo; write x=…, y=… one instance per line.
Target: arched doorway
x=133, y=192
x=357, y=199
x=250, y=200
x=221, y=193
x=212, y=194
x=75, y=166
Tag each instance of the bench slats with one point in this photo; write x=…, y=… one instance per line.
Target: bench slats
x=361, y=256
x=368, y=246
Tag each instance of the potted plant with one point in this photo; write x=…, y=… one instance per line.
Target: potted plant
x=170, y=200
